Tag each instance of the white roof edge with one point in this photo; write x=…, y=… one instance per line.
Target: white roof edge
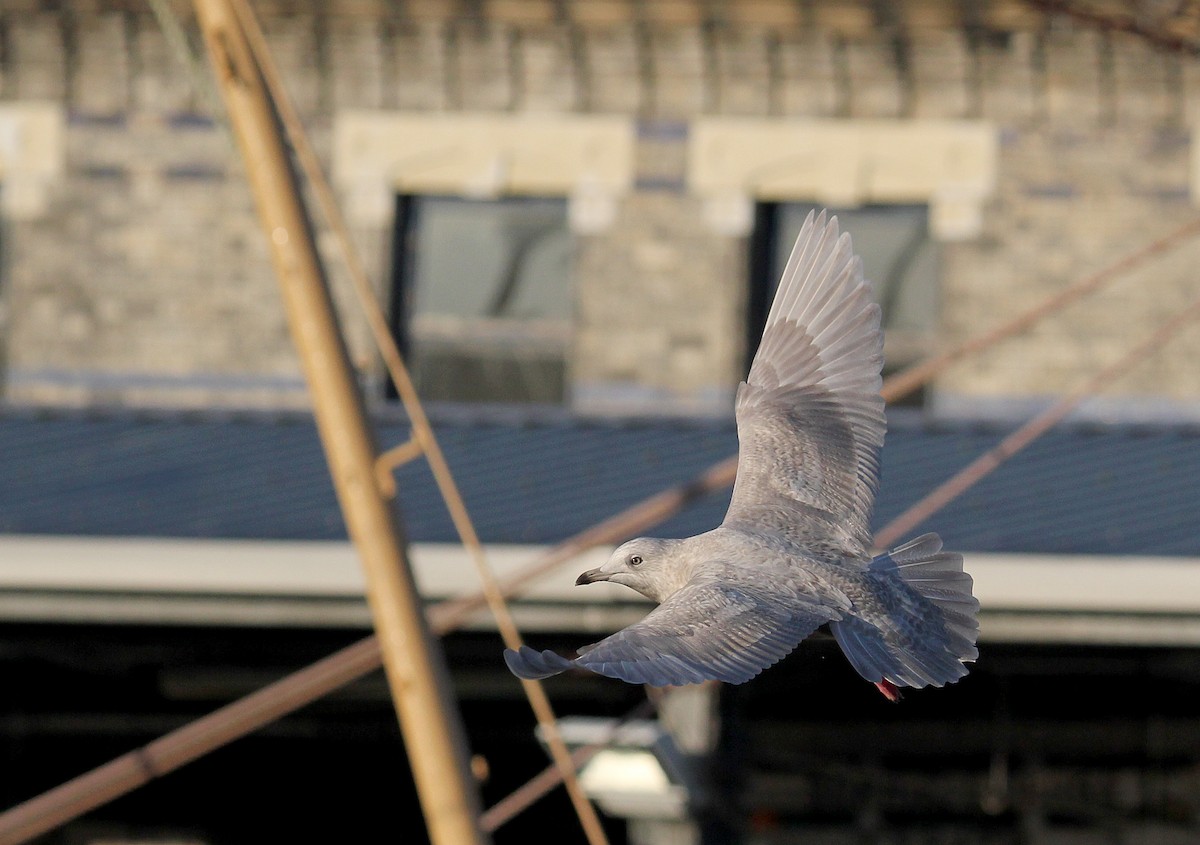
x=1086, y=583
x=329, y=569
x=1024, y=597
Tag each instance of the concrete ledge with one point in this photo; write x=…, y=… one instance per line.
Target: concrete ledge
x=271, y=583
x=377, y=154
x=32, y=156
x=1025, y=598
x=949, y=164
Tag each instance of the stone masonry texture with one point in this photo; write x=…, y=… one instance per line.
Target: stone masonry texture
x=146, y=282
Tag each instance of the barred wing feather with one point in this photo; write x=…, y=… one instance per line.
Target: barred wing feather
x=810, y=416
x=710, y=630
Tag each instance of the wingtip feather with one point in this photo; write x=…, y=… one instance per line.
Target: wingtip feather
x=533, y=665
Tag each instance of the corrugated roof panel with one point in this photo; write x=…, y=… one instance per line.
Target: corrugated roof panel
x=1078, y=490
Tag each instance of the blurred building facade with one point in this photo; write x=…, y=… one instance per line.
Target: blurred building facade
x=1034, y=149
x=574, y=211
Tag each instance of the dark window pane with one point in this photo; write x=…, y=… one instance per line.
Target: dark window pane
x=899, y=257
x=489, y=295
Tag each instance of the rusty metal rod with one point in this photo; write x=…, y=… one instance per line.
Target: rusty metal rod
x=1162, y=39
x=905, y=382
x=183, y=745
x=979, y=468
x=536, y=787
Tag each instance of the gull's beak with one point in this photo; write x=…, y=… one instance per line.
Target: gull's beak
x=590, y=577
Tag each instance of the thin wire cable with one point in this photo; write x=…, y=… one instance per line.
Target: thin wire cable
x=195, y=67
x=905, y=382
x=422, y=431
x=978, y=469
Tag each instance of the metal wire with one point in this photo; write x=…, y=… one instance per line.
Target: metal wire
x=195, y=67
x=521, y=798
x=1162, y=38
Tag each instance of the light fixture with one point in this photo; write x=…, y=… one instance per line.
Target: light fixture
x=639, y=774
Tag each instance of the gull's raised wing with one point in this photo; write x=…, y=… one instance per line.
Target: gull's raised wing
x=810, y=417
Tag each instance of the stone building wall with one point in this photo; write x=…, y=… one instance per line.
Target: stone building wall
x=144, y=279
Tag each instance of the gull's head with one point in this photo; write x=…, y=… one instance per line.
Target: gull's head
x=647, y=565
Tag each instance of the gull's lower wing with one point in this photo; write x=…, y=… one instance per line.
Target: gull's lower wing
x=711, y=630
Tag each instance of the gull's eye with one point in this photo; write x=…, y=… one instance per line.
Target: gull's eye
x=635, y=560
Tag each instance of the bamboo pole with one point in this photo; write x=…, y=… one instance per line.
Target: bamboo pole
x=417, y=676
x=423, y=441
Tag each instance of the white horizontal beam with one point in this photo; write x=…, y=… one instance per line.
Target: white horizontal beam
x=948, y=164
x=377, y=154
x=1142, y=600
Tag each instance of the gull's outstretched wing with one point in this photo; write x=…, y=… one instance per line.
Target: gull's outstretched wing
x=809, y=416
x=714, y=629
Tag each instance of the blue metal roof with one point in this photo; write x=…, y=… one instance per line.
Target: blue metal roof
x=1099, y=490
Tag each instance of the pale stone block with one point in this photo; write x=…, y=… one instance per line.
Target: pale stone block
x=293, y=45
x=478, y=154
x=1074, y=95
x=161, y=83
x=614, y=71
x=810, y=83
x=1010, y=86
x=101, y=68
x=548, y=80
x=1145, y=83
x=1189, y=74
x=601, y=13
x=32, y=156
x=743, y=73
x=483, y=63
x=419, y=67
x=941, y=70
x=876, y=89
x=355, y=52
x=842, y=162
x=680, y=73
x=38, y=56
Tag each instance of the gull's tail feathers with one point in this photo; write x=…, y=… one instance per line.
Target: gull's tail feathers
x=921, y=627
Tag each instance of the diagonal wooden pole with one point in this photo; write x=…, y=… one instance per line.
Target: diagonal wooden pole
x=424, y=441
x=415, y=667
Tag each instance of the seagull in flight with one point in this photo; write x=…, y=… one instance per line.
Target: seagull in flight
x=794, y=550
